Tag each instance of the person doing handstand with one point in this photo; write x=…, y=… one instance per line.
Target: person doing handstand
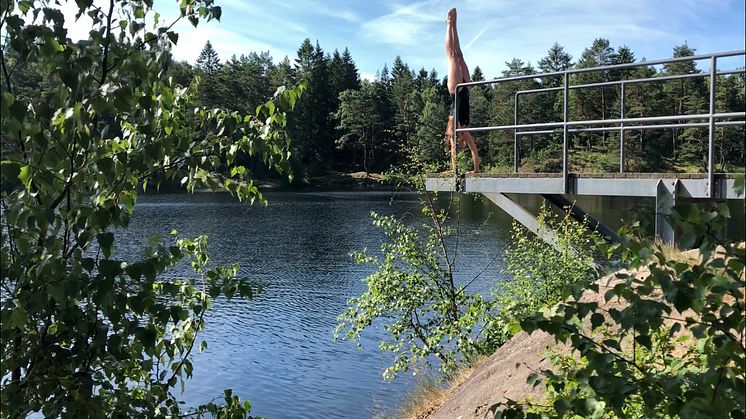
x=458, y=72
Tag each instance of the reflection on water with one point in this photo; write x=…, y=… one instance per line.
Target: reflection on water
x=276, y=349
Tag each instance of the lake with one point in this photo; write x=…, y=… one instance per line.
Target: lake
x=276, y=350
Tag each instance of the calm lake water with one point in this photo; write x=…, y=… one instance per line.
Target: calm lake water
x=276, y=350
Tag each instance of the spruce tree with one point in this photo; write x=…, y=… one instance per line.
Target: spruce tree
x=208, y=60
x=556, y=60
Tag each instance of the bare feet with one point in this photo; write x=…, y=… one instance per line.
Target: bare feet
x=451, y=16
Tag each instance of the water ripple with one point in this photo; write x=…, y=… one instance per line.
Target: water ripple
x=276, y=349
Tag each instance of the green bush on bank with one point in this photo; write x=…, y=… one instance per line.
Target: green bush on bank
x=542, y=273
x=427, y=313
x=674, y=346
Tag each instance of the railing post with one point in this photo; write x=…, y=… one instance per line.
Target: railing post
x=565, y=106
x=711, y=140
x=516, y=153
x=455, y=127
x=621, y=131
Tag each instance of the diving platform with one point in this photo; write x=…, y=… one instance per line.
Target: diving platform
x=558, y=188
x=666, y=188
x=680, y=185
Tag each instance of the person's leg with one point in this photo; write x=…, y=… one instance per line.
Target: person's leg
x=464, y=137
x=467, y=137
x=450, y=143
x=465, y=75
x=453, y=51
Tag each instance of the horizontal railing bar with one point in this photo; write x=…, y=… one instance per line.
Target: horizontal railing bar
x=634, y=127
x=605, y=68
x=507, y=127
x=545, y=89
x=728, y=123
x=658, y=118
x=630, y=81
x=606, y=121
x=653, y=126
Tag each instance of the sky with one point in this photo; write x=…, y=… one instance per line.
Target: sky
x=491, y=31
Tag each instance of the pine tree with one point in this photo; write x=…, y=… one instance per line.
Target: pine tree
x=516, y=67
x=350, y=75
x=407, y=103
x=282, y=74
x=593, y=103
x=208, y=60
x=556, y=60
x=362, y=121
x=431, y=127
x=686, y=96
x=477, y=74
x=643, y=148
x=729, y=146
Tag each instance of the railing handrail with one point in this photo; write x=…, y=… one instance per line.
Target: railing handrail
x=711, y=116
x=631, y=81
x=607, y=121
x=607, y=67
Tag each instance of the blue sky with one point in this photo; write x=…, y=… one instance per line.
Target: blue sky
x=491, y=31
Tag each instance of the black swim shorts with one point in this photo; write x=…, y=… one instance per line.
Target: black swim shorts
x=463, y=107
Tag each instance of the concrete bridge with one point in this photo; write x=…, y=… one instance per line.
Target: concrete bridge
x=558, y=188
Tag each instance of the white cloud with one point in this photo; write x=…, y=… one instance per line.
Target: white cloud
x=225, y=42
x=368, y=76
x=405, y=26
x=318, y=8
x=467, y=46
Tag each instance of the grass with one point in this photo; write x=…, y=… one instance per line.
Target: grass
x=429, y=394
x=672, y=252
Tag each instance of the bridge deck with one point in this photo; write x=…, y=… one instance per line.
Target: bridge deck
x=684, y=185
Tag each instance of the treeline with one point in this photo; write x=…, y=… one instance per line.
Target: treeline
x=348, y=124
x=342, y=123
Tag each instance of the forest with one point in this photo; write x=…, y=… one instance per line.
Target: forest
x=345, y=124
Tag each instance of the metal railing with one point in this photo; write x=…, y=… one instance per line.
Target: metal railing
x=621, y=124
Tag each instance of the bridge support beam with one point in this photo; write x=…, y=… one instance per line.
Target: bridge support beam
x=665, y=200
x=580, y=215
x=523, y=216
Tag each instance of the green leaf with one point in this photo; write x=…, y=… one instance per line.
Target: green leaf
x=6, y=99
x=109, y=268
x=173, y=37
x=645, y=341
x=105, y=241
x=597, y=320
x=10, y=170
x=18, y=317
x=25, y=175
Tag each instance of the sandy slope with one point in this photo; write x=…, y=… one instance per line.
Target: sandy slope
x=503, y=375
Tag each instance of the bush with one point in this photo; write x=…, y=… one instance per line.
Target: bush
x=543, y=272
x=427, y=313
x=673, y=346
x=413, y=292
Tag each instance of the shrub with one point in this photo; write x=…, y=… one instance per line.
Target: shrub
x=674, y=346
